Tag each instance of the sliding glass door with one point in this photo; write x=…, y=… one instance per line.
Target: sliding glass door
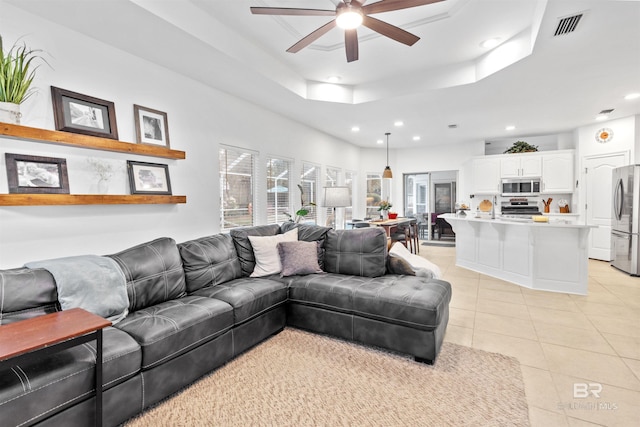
x=427, y=195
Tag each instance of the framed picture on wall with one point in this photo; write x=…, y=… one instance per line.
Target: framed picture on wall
x=148, y=178
x=35, y=174
x=77, y=113
x=152, y=126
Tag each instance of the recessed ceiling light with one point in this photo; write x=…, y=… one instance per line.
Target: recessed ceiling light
x=601, y=117
x=355, y=129
x=416, y=138
x=379, y=141
x=334, y=79
x=632, y=96
x=510, y=127
x=490, y=43
x=398, y=123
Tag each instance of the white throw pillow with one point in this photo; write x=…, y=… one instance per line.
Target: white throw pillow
x=265, y=250
x=420, y=265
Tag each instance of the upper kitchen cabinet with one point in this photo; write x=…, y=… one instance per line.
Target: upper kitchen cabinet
x=521, y=166
x=557, y=172
x=486, y=175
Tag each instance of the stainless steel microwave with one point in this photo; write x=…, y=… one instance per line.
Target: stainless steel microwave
x=520, y=187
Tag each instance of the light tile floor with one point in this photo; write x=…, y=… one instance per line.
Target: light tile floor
x=566, y=344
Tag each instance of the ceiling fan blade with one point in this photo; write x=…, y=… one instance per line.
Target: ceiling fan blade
x=351, y=44
x=391, y=31
x=291, y=11
x=306, y=41
x=391, y=5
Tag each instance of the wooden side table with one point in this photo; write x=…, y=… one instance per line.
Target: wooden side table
x=30, y=339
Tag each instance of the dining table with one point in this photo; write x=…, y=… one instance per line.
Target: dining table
x=390, y=224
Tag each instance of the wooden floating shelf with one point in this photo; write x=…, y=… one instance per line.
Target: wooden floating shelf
x=87, y=199
x=86, y=141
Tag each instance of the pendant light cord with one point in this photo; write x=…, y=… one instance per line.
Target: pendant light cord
x=388, y=133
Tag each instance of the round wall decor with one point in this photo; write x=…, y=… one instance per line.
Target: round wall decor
x=604, y=135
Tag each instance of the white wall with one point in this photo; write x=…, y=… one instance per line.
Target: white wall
x=416, y=160
x=625, y=138
x=200, y=119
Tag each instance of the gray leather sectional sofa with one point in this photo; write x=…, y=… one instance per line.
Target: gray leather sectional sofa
x=193, y=307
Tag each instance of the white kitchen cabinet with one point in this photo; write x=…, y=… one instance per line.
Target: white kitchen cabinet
x=557, y=173
x=521, y=166
x=486, y=175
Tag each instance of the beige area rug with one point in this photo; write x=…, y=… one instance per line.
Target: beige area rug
x=302, y=379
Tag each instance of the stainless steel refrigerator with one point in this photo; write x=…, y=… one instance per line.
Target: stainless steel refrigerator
x=625, y=224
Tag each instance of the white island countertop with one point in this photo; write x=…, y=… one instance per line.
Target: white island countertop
x=515, y=221
x=550, y=256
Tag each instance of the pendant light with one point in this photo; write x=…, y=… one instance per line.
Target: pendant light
x=387, y=170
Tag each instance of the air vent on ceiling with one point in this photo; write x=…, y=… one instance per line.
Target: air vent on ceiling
x=609, y=111
x=568, y=25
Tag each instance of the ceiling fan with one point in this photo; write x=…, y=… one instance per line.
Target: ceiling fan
x=349, y=15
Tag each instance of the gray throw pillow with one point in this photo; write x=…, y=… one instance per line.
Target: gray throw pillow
x=397, y=265
x=299, y=258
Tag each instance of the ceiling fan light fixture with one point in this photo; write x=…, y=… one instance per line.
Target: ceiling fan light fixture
x=349, y=18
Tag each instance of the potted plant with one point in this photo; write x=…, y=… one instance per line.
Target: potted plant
x=384, y=207
x=303, y=211
x=521, y=147
x=17, y=72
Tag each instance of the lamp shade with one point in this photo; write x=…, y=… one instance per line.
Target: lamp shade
x=336, y=197
x=387, y=173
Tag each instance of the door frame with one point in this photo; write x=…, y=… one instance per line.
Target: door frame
x=583, y=192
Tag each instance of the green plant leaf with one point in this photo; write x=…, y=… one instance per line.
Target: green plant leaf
x=17, y=72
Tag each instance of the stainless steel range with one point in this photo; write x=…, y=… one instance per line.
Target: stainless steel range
x=519, y=207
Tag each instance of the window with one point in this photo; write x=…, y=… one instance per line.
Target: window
x=374, y=194
x=331, y=180
x=278, y=190
x=309, y=181
x=236, y=187
x=349, y=180
x=416, y=189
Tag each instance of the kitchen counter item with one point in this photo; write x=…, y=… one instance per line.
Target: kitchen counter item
x=485, y=206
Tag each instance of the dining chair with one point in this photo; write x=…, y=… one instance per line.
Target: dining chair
x=358, y=223
x=407, y=234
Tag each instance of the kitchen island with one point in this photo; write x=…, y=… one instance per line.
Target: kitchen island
x=537, y=255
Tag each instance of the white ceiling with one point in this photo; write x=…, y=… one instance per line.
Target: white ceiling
x=537, y=82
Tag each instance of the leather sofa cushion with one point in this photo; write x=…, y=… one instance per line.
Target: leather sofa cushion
x=244, y=250
x=153, y=271
x=26, y=293
x=403, y=300
x=360, y=252
x=169, y=329
x=41, y=387
x=209, y=261
x=249, y=297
